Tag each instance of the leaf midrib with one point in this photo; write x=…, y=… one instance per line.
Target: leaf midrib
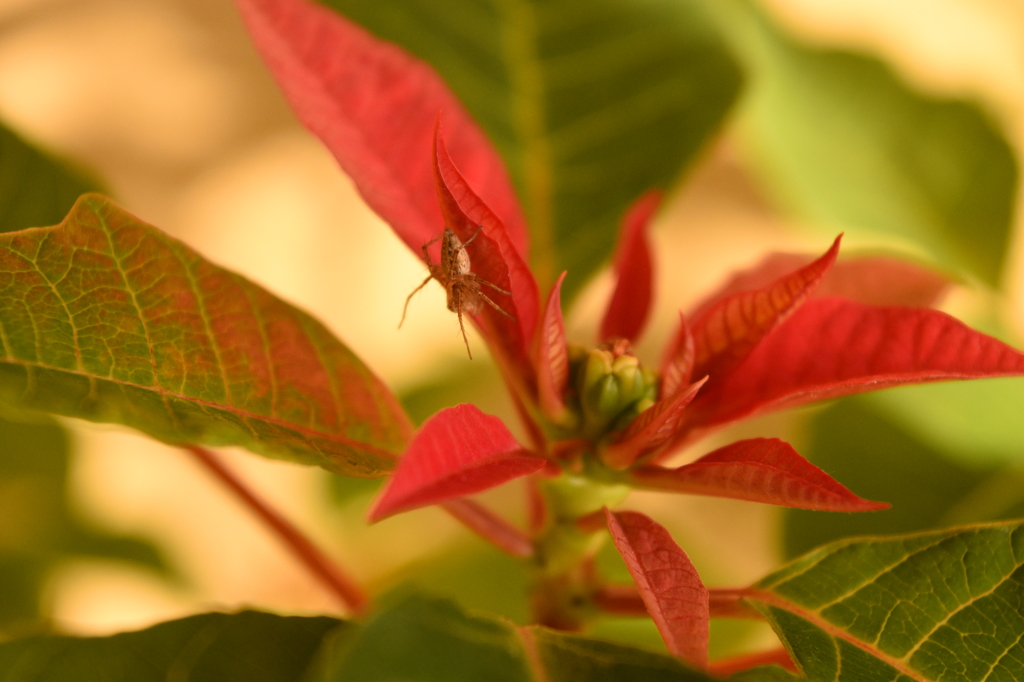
x=833, y=631
x=518, y=43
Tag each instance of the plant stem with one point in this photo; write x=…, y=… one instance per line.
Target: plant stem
x=491, y=527
x=625, y=600
x=731, y=666
x=343, y=587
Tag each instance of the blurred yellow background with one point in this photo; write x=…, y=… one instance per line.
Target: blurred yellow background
x=169, y=104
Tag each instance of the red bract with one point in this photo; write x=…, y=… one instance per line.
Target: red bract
x=669, y=585
x=631, y=301
x=458, y=451
x=791, y=330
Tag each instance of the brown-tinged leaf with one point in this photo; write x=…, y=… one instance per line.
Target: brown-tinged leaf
x=459, y=451
x=675, y=596
x=105, y=318
x=759, y=470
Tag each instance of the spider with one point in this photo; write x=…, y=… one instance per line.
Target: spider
x=453, y=273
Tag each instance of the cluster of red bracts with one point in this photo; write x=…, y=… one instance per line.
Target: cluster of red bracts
x=774, y=337
x=789, y=331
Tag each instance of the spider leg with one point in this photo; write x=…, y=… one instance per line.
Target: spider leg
x=462, y=328
x=493, y=304
x=470, y=240
x=493, y=286
x=426, y=255
x=409, y=297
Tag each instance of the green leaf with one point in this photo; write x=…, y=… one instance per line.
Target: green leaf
x=106, y=318
x=590, y=103
x=844, y=142
x=37, y=527
x=215, y=647
x=35, y=189
x=567, y=658
x=976, y=423
x=423, y=639
x=426, y=640
x=936, y=606
x=863, y=447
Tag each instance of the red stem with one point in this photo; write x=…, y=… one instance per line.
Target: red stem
x=490, y=527
x=730, y=666
x=319, y=564
x=625, y=600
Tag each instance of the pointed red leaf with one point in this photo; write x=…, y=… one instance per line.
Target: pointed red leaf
x=833, y=347
x=459, y=451
x=552, y=356
x=875, y=280
x=669, y=585
x=495, y=260
x=631, y=301
x=374, y=106
x=758, y=470
x=651, y=429
x=728, y=332
x=677, y=365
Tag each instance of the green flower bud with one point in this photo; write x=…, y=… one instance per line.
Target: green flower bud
x=627, y=417
x=598, y=365
x=627, y=370
x=603, y=398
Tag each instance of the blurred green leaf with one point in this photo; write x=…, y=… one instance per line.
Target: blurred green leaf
x=936, y=606
x=105, y=318
x=35, y=189
x=426, y=639
x=37, y=527
x=844, y=142
x=976, y=423
x=463, y=381
x=590, y=102
x=468, y=575
x=568, y=658
x=872, y=456
x=213, y=647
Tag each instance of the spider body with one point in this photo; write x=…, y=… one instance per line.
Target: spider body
x=461, y=284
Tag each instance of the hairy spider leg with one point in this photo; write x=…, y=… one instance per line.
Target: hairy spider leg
x=430, y=266
x=470, y=240
x=458, y=310
x=409, y=298
x=493, y=304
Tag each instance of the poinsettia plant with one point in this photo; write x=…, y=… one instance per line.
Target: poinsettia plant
x=105, y=318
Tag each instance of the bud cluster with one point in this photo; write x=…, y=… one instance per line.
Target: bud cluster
x=611, y=388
